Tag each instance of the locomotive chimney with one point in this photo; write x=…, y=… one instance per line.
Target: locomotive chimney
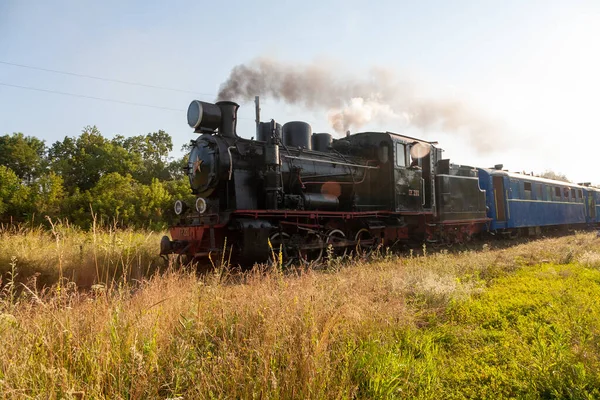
x=228, y=118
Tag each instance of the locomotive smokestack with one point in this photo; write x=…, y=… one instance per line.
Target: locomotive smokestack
x=228, y=118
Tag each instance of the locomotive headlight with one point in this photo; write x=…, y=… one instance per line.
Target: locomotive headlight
x=203, y=116
x=180, y=207
x=200, y=205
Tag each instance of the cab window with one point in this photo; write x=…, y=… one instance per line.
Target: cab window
x=383, y=153
x=400, y=155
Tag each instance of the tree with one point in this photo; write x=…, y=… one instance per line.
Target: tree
x=83, y=161
x=154, y=200
x=150, y=152
x=114, y=198
x=549, y=174
x=24, y=155
x=76, y=207
x=176, y=167
x=79, y=161
x=129, y=180
x=179, y=189
x=14, y=196
x=48, y=195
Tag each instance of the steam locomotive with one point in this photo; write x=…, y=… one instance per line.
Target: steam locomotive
x=305, y=192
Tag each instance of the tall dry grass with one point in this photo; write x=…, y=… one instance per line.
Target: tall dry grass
x=261, y=334
x=103, y=255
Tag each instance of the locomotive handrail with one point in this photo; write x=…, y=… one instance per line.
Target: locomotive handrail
x=315, y=214
x=331, y=162
x=339, y=182
x=230, y=160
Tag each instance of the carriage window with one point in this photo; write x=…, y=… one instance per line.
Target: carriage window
x=566, y=194
x=400, y=155
x=515, y=189
x=539, y=192
x=556, y=193
x=572, y=194
x=527, y=188
x=548, y=193
x=580, y=195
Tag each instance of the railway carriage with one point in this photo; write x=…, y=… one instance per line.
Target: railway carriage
x=518, y=201
x=591, y=196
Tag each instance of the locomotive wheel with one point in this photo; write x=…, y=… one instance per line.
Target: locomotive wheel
x=335, y=236
x=313, y=249
x=364, y=241
x=281, y=241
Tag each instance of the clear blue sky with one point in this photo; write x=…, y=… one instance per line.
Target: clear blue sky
x=532, y=66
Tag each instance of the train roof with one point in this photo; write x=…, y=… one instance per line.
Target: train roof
x=531, y=178
x=397, y=136
x=409, y=138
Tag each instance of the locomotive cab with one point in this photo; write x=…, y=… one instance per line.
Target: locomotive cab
x=412, y=168
x=412, y=175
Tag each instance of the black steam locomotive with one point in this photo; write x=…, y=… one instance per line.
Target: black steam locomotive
x=305, y=192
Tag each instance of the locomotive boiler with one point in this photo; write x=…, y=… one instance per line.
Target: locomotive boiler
x=304, y=192
x=280, y=170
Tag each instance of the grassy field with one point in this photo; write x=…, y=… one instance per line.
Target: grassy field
x=42, y=257
x=516, y=322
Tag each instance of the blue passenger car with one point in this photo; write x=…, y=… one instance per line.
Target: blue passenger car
x=521, y=201
x=591, y=197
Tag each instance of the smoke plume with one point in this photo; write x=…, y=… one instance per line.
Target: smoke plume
x=353, y=101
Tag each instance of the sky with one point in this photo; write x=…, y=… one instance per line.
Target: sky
x=530, y=68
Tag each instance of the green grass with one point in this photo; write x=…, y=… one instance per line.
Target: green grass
x=535, y=334
x=517, y=322
x=531, y=335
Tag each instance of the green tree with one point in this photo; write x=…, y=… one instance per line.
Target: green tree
x=129, y=180
x=14, y=196
x=84, y=160
x=154, y=201
x=25, y=155
x=178, y=189
x=77, y=208
x=79, y=161
x=176, y=168
x=48, y=195
x=149, y=155
x=114, y=198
